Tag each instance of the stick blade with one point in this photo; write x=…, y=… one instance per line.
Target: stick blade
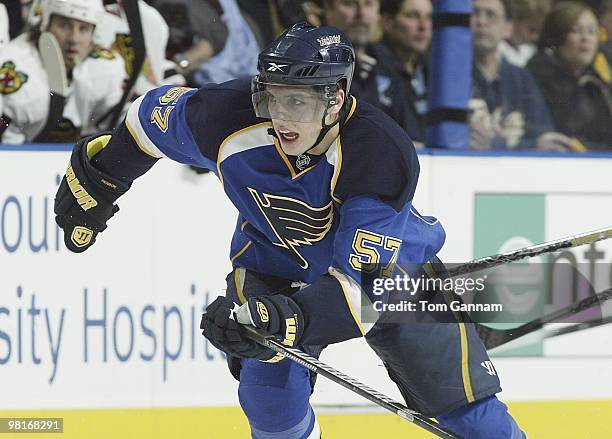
x=53, y=61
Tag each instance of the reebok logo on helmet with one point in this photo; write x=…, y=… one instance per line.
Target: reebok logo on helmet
x=273, y=67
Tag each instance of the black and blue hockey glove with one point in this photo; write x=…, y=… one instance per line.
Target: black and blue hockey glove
x=85, y=199
x=277, y=315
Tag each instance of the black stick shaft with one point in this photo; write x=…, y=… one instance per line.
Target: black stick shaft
x=493, y=337
x=528, y=252
x=338, y=377
x=579, y=327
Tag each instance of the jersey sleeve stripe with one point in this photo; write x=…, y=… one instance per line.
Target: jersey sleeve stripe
x=132, y=122
x=354, y=296
x=247, y=138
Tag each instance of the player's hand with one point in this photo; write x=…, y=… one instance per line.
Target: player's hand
x=85, y=198
x=276, y=314
x=220, y=327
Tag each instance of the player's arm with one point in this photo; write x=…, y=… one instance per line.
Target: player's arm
x=102, y=167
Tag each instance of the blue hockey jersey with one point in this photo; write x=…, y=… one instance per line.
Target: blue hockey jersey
x=325, y=222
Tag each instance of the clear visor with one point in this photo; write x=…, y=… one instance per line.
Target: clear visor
x=295, y=103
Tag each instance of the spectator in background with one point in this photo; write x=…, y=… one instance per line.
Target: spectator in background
x=197, y=32
x=95, y=77
x=374, y=81
x=508, y=111
x=579, y=95
x=239, y=55
x=14, y=10
x=4, y=25
x=527, y=19
x=605, y=20
x=407, y=30
x=269, y=18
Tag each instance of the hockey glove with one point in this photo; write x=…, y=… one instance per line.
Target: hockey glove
x=276, y=314
x=219, y=326
x=85, y=199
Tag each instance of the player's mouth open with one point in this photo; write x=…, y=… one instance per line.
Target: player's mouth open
x=288, y=136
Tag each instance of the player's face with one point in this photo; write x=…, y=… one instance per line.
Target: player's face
x=410, y=29
x=298, y=134
x=75, y=38
x=581, y=43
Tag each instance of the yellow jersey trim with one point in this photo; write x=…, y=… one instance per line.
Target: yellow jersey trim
x=336, y=175
x=239, y=275
x=138, y=142
x=242, y=250
x=348, y=302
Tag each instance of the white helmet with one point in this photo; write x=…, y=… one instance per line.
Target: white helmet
x=89, y=11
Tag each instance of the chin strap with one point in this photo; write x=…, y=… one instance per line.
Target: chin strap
x=340, y=120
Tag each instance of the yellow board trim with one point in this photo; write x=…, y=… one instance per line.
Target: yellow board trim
x=348, y=302
x=539, y=419
x=138, y=142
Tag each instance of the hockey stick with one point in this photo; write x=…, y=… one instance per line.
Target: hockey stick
x=493, y=337
x=593, y=323
x=338, y=377
x=528, y=252
x=132, y=12
x=55, y=67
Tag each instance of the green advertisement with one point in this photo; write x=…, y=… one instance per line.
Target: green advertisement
x=506, y=222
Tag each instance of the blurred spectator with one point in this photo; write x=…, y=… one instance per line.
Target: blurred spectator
x=196, y=31
x=579, y=95
x=374, y=81
x=508, y=109
x=239, y=55
x=114, y=32
x=95, y=77
x=527, y=19
x=14, y=15
x=269, y=18
x=407, y=32
x=605, y=20
x=4, y=25
x=605, y=17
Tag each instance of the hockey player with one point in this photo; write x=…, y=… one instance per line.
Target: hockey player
x=324, y=186
x=95, y=76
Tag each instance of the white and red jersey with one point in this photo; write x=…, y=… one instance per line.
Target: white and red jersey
x=95, y=88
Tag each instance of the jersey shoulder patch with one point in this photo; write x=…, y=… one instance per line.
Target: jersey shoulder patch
x=11, y=79
x=378, y=158
x=101, y=53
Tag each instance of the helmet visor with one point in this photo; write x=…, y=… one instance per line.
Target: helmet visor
x=295, y=103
